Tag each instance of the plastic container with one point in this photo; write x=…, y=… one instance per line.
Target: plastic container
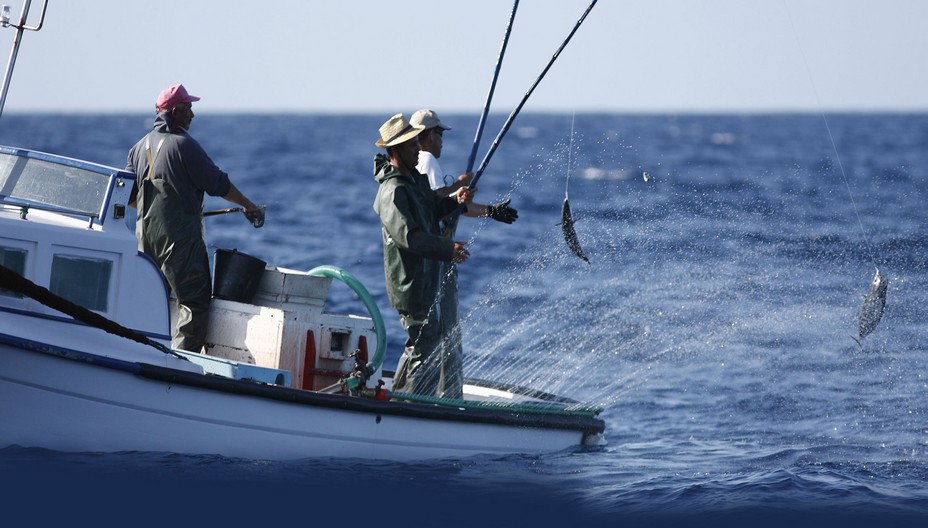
x=236, y=275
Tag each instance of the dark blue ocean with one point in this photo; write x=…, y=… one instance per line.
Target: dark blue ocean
x=713, y=323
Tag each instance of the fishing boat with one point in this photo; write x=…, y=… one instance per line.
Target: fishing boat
x=86, y=363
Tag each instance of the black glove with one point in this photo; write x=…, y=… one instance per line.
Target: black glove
x=501, y=212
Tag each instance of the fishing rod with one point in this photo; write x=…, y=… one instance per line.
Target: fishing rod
x=512, y=116
x=222, y=211
x=255, y=222
x=486, y=107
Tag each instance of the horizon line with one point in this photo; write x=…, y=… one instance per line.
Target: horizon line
x=545, y=111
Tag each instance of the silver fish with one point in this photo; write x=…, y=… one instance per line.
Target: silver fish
x=567, y=225
x=872, y=310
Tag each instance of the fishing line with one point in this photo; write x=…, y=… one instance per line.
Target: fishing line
x=871, y=312
x=570, y=150
x=831, y=138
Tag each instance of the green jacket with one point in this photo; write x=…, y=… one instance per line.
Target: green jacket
x=409, y=211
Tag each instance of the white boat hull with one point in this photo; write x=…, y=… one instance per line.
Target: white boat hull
x=72, y=405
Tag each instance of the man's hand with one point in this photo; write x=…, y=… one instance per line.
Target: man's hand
x=501, y=212
x=254, y=214
x=460, y=252
x=464, y=179
x=464, y=195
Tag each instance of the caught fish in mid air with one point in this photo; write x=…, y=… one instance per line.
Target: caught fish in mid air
x=567, y=220
x=872, y=310
x=567, y=225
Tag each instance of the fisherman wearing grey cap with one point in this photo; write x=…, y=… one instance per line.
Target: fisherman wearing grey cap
x=451, y=348
x=431, y=140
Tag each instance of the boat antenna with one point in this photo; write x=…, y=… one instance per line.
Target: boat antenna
x=20, y=28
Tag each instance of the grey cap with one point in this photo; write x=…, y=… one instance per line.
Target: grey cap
x=427, y=119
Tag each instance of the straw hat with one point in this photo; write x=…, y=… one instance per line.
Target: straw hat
x=397, y=130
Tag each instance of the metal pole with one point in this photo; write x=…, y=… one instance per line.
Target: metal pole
x=15, y=51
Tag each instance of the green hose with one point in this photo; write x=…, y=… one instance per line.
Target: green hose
x=353, y=283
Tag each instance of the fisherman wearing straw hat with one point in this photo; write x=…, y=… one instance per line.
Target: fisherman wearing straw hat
x=412, y=247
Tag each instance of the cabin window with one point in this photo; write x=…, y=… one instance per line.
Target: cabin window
x=56, y=185
x=14, y=259
x=82, y=280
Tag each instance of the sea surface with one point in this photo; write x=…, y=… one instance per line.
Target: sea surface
x=729, y=258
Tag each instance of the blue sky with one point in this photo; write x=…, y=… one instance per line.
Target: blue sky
x=375, y=56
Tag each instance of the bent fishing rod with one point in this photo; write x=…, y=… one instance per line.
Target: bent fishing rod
x=486, y=159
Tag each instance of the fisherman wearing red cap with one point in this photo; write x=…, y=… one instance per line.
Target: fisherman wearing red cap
x=172, y=174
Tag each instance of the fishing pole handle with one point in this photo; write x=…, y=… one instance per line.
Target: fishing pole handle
x=222, y=211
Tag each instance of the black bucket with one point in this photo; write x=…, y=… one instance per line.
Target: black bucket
x=237, y=275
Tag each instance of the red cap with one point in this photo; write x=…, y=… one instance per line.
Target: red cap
x=173, y=95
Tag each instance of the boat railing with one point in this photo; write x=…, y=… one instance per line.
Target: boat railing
x=25, y=206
